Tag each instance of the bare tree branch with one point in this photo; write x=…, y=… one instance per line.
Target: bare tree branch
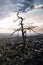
x=22, y=29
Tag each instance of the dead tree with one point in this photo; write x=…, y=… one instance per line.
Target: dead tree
x=22, y=28
x=21, y=23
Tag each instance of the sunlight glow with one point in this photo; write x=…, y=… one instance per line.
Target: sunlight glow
x=7, y=24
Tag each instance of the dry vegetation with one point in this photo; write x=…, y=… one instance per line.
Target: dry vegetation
x=19, y=53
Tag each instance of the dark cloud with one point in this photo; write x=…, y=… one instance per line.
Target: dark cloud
x=23, y=4
x=26, y=5
x=7, y=6
x=38, y=1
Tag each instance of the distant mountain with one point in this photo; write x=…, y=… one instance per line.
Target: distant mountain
x=4, y=35
x=36, y=37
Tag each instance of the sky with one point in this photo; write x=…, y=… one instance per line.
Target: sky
x=30, y=10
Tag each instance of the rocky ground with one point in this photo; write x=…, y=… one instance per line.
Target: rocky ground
x=28, y=53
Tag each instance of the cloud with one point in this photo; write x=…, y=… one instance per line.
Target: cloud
x=36, y=17
x=6, y=30
x=38, y=2
x=39, y=29
x=38, y=6
x=35, y=13
x=26, y=5
x=8, y=6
